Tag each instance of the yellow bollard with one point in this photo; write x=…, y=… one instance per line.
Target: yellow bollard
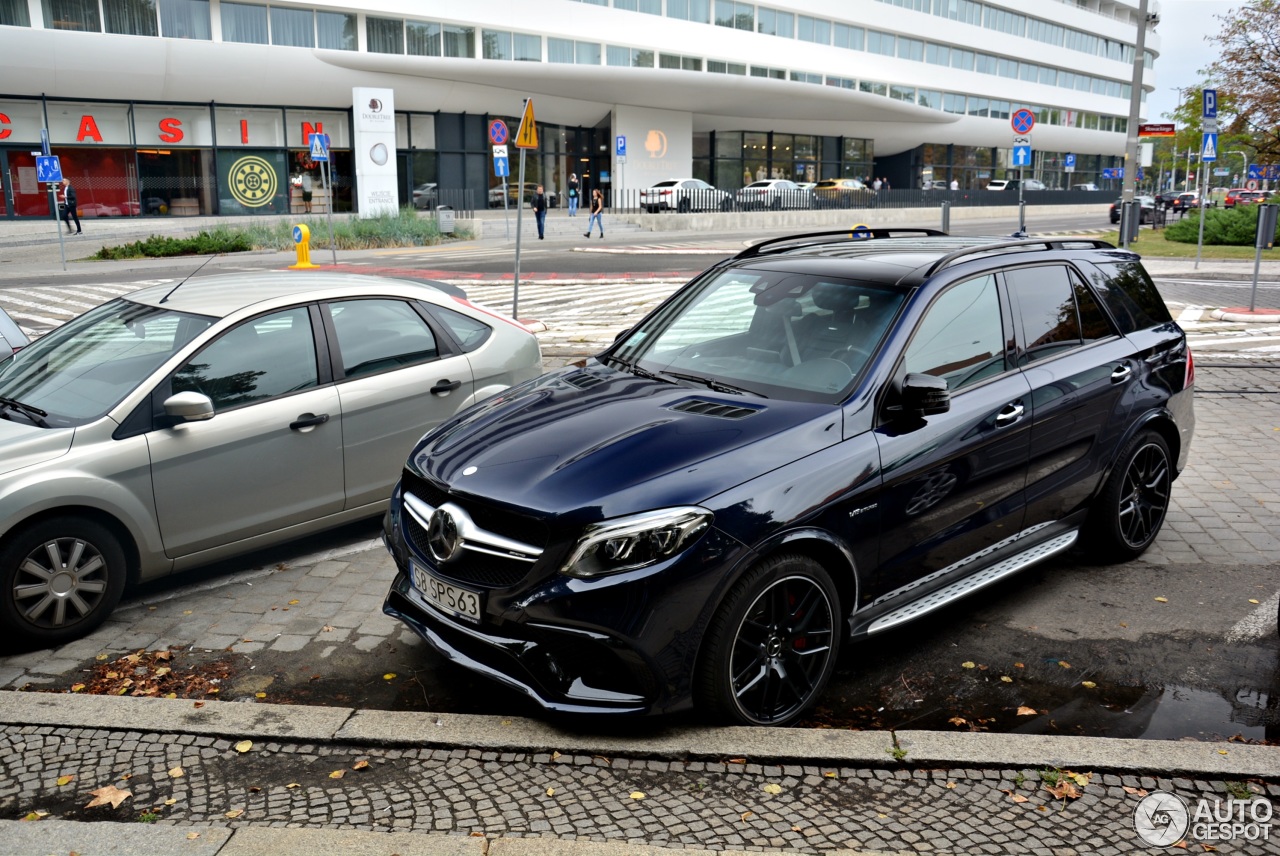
x=302, y=237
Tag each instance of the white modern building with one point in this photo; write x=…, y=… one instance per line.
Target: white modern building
x=204, y=106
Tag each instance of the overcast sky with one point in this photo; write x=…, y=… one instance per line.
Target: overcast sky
x=1183, y=49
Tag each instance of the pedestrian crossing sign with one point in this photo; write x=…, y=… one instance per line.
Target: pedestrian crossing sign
x=527, y=136
x=319, y=147
x=1209, y=151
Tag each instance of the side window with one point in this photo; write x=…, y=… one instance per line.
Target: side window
x=268, y=356
x=1130, y=295
x=378, y=335
x=469, y=332
x=960, y=338
x=1045, y=303
x=1093, y=321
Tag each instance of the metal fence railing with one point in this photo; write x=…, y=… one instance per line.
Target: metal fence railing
x=462, y=201
x=641, y=201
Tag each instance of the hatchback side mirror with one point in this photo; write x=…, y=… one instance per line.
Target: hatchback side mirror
x=925, y=395
x=188, y=407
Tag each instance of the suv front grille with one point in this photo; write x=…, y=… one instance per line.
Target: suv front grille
x=477, y=569
x=509, y=524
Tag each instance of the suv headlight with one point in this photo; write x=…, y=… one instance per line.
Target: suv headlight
x=635, y=541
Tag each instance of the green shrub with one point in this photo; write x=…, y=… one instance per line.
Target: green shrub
x=220, y=240
x=1234, y=227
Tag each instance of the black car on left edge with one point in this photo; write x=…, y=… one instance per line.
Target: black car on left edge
x=810, y=443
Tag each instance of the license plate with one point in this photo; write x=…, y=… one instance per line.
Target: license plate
x=447, y=597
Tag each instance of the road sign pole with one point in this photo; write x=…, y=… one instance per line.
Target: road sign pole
x=515, y=290
x=1201, y=208
x=326, y=174
x=53, y=206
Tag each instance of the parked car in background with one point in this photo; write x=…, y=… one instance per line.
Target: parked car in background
x=842, y=193
x=1086, y=186
x=97, y=209
x=513, y=195
x=1013, y=183
x=12, y=337
x=811, y=443
x=182, y=424
x=1241, y=196
x=774, y=194
x=683, y=195
x=1146, y=215
x=426, y=196
x=1185, y=201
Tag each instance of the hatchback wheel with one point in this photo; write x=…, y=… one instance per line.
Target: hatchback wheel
x=1134, y=501
x=771, y=647
x=60, y=579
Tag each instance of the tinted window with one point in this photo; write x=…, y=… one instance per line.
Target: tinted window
x=1046, y=306
x=377, y=335
x=469, y=332
x=1130, y=296
x=265, y=357
x=1093, y=321
x=960, y=338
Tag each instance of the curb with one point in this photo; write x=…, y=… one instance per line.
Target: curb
x=1248, y=316
x=846, y=748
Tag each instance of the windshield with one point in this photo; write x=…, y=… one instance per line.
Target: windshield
x=85, y=367
x=780, y=335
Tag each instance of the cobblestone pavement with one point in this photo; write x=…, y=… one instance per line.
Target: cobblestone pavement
x=725, y=803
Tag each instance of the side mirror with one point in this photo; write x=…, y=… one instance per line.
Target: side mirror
x=925, y=395
x=188, y=407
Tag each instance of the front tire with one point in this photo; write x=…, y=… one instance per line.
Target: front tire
x=771, y=648
x=59, y=580
x=1133, y=503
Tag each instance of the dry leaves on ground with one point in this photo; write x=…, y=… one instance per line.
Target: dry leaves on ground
x=108, y=795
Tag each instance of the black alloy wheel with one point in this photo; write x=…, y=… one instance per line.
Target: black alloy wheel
x=1134, y=502
x=773, y=645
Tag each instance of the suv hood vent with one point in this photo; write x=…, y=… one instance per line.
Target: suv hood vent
x=718, y=409
x=582, y=380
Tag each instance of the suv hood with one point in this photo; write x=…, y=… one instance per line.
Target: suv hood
x=596, y=443
x=25, y=445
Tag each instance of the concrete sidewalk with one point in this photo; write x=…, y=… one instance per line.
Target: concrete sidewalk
x=314, y=779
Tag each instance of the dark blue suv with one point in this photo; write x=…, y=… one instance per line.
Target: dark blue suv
x=810, y=443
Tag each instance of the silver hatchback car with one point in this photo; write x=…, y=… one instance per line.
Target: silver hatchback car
x=180, y=425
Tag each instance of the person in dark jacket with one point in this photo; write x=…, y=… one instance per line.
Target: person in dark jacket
x=67, y=202
x=540, y=210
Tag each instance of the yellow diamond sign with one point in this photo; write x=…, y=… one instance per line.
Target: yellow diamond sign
x=527, y=136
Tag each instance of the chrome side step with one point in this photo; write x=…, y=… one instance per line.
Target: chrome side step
x=970, y=584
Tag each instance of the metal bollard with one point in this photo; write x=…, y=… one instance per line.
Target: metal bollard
x=302, y=237
x=946, y=217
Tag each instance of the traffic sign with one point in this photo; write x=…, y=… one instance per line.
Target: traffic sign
x=1210, y=98
x=1251, y=184
x=499, y=151
x=860, y=230
x=1022, y=155
x=501, y=167
x=1209, y=126
x=1255, y=170
x=527, y=136
x=620, y=146
x=1022, y=140
x=1069, y=163
x=48, y=169
x=319, y=147
x=498, y=133
x=1023, y=121
x=1157, y=130
x=1209, y=149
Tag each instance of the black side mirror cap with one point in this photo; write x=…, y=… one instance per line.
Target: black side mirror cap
x=925, y=395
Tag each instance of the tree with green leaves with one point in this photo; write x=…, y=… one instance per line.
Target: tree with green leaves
x=1248, y=75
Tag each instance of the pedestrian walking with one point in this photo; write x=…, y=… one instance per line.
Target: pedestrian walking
x=875, y=185
x=67, y=205
x=540, y=210
x=306, y=191
x=597, y=213
x=955, y=184
x=573, y=194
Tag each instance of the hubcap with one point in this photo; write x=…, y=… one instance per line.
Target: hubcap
x=60, y=582
x=1146, y=496
x=781, y=650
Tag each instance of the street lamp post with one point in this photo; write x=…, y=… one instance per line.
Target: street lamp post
x=1135, y=105
x=1244, y=176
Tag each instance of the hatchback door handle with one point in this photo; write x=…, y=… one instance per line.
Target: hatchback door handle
x=444, y=387
x=1011, y=414
x=308, y=420
x=1120, y=373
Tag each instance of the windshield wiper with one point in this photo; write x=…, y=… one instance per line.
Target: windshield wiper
x=716, y=385
x=637, y=371
x=35, y=414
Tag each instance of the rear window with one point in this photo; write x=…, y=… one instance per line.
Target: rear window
x=1130, y=295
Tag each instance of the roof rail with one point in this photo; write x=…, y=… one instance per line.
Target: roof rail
x=1047, y=243
x=848, y=234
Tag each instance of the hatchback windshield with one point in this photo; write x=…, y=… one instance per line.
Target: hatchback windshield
x=85, y=367
x=780, y=335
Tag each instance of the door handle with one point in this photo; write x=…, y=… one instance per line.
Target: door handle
x=1121, y=373
x=307, y=420
x=444, y=387
x=1011, y=414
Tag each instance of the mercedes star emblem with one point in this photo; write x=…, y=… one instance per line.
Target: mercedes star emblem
x=442, y=536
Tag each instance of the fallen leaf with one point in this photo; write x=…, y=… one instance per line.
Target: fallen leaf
x=1064, y=664
x=1065, y=789
x=389, y=676
x=188, y=611
x=1181, y=845
x=1254, y=600
x=555, y=756
x=294, y=601
x=1222, y=751
x=108, y=794
x=259, y=695
x=958, y=720
x=177, y=773
x=198, y=704
x=1166, y=600
x=293, y=785
x=1208, y=848
x=1140, y=792
x=162, y=671
x=170, y=695
x=746, y=814
x=772, y=788
x=1042, y=808
x=234, y=813
x=1019, y=665
x=171, y=801
x=244, y=746
x=1018, y=798
x=951, y=786
x=1023, y=710
x=968, y=664
x=75, y=688
x=1081, y=779
x=255, y=790
x=360, y=765
x=163, y=655
x=65, y=780
x=1006, y=679
x=736, y=761
x=551, y=792
x=35, y=815
x=831, y=774
x=192, y=836
x=100, y=657
x=327, y=628
x=796, y=829
x=637, y=795
x=1089, y=685
x=337, y=774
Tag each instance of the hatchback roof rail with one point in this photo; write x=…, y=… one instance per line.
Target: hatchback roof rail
x=848, y=234
x=1026, y=243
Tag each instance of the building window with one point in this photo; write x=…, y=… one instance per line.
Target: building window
x=873, y=87
x=929, y=98
x=336, y=31
x=911, y=49
x=422, y=38
x=774, y=73
x=882, y=43
x=185, y=19
x=690, y=10
x=14, y=13
x=849, y=37
x=130, y=17
x=293, y=27
x=685, y=63
x=497, y=44
x=773, y=22
x=649, y=7
x=903, y=93
x=79, y=15
x=842, y=82
x=244, y=23
x=459, y=41
x=719, y=67
x=628, y=57
x=806, y=77
x=813, y=30
x=384, y=35
x=737, y=16
x=526, y=48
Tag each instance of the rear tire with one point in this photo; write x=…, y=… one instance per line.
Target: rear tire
x=59, y=580
x=1132, y=506
x=770, y=650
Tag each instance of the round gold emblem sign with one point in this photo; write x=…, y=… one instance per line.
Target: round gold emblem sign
x=253, y=181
